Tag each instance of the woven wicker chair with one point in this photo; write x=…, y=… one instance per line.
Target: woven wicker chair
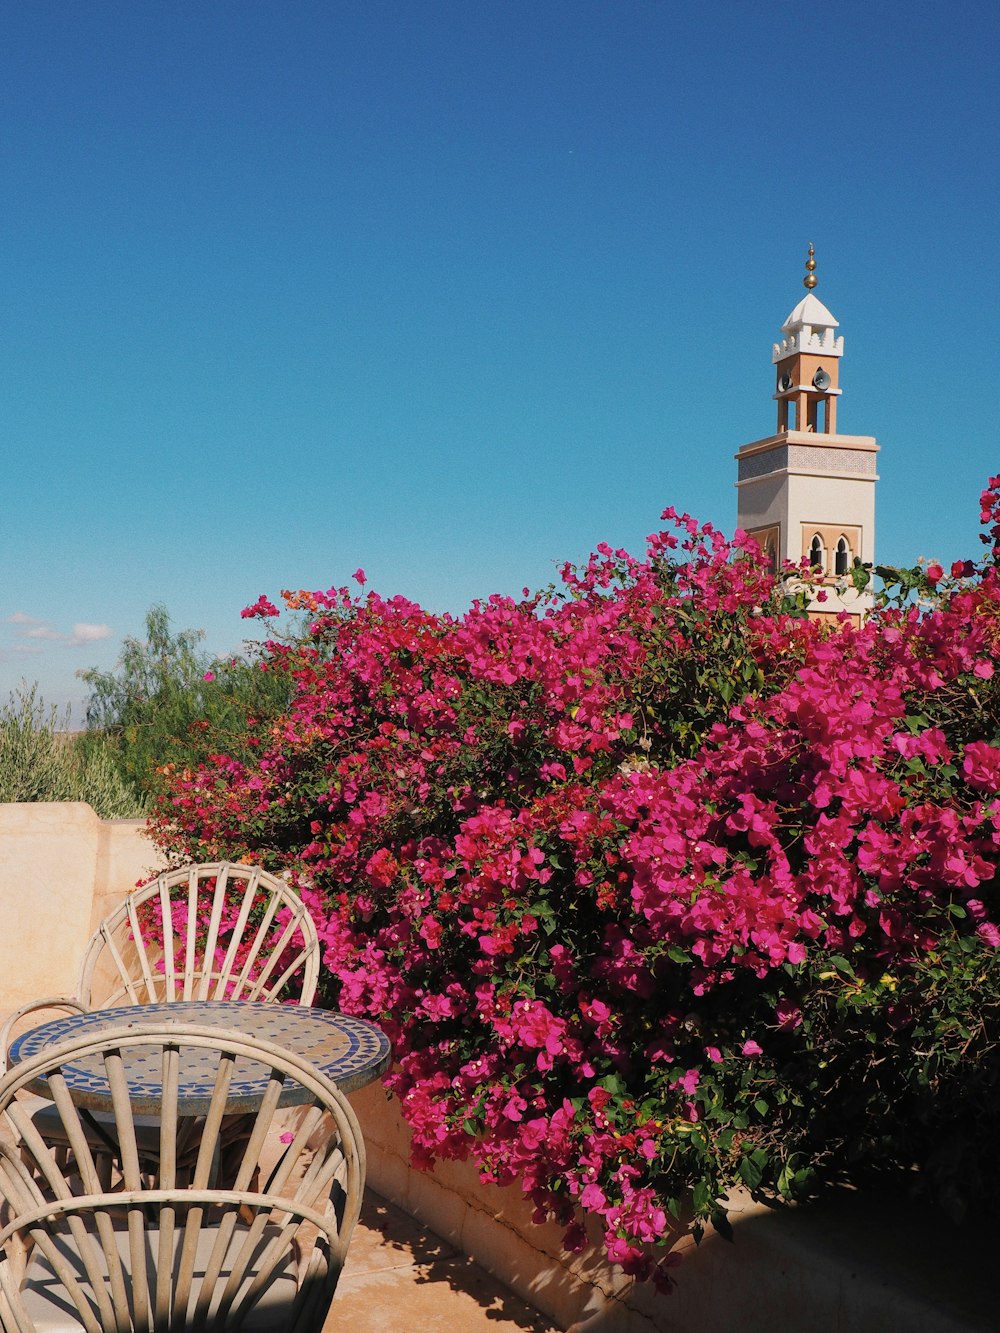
x=203, y=932
x=185, y=1253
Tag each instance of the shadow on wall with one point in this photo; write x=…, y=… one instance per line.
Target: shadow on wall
x=853, y=1262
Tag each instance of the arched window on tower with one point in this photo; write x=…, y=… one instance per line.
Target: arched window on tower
x=842, y=557
x=817, y=556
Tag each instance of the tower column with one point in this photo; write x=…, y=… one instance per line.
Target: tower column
x=807, y=493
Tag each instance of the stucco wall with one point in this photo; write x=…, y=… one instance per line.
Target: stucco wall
x=61, y=871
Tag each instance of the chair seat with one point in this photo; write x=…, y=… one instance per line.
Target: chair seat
x=46, y=1303
x=48, y=1122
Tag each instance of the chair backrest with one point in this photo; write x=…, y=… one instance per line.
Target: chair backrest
x=204, y=932
x=182, y=1250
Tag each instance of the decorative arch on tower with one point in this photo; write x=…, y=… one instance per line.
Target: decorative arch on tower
x=769, y=541
x=842, y=558
x=836, y=547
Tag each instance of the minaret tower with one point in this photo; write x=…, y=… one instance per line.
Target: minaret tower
x=806, y=492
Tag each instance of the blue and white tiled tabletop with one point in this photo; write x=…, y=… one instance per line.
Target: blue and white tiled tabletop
x=348, y=1050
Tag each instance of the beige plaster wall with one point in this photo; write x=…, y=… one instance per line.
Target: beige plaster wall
x=61, y=870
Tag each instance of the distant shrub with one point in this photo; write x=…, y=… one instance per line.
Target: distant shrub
x=39, y=761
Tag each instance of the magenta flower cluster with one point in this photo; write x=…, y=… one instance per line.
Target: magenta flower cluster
x=602, y=861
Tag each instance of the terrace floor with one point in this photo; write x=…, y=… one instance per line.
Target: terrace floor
x=402, y=1278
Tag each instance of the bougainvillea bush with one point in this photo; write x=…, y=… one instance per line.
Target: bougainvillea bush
x=657, y=886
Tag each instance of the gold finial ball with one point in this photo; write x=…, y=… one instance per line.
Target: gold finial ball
x=810, y=279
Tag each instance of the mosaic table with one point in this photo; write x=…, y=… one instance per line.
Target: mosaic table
x=347, y=1050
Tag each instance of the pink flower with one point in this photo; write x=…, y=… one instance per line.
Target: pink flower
x=935, y=572
x=592, y=1197
x=515, y=1107
x=788, y=1015
x=989, y=934
x=359, y=577
x=574, y=1238
x=981, y=766
x=261, y=607
x=751, y=1048
x=430, y=932
x=209, y=675
x=688, y=1081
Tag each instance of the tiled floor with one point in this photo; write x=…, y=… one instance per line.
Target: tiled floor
x=401, y=1278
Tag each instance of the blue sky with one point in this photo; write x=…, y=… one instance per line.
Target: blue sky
x=455, y=291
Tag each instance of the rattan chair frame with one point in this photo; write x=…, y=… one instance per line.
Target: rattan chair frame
x=54, y=1211
x=177, y=961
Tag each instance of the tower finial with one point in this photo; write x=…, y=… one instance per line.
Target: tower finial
x=810, y=279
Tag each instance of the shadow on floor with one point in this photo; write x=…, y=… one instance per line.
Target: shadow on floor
x=402, y=1278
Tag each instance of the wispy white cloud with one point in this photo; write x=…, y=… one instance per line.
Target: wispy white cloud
x=33, y=628
x=84, y=633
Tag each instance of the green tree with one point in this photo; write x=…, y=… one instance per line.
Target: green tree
x=169, y=704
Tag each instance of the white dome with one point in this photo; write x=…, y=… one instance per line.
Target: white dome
x=810, y=310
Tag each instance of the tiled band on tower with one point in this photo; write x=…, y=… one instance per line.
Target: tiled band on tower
x=807, y=491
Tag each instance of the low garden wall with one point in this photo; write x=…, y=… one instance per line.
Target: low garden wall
x=62, y=869
x=855, y=1264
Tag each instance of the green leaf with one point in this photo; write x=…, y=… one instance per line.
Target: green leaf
x=860, y=576
x=750, y=1173
x=842, y=965
x=701, y=1197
